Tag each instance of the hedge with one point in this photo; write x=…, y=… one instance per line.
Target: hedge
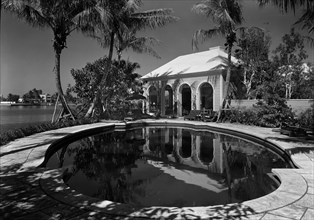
x=11, y=135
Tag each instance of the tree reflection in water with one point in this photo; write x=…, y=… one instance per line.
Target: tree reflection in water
x=128, y=167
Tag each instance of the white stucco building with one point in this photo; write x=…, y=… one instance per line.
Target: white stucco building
x=192, y=81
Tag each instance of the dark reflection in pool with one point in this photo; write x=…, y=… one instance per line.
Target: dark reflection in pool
x=154, y=166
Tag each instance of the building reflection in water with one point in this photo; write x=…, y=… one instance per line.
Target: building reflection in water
x=134, y=166
x=195, y=149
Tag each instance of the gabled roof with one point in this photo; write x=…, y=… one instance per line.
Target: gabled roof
x=213, y=59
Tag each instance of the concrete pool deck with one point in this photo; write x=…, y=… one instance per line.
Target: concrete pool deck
x=28, y=192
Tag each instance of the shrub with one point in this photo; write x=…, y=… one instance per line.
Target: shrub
x=262, y=114
x=306, y=118
x=273, y=115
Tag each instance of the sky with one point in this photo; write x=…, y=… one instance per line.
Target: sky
x=27, y=56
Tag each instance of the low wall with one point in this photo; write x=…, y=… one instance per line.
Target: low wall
x=297, y=105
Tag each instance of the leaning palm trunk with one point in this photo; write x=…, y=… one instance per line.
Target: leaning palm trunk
x=97, y=99
x=64, y=103
x=226, y=88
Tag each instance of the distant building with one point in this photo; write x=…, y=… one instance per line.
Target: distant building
x=192, y=81
x=46, y=98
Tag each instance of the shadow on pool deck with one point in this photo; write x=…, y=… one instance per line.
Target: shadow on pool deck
x=48, y=139
x=22, y=197
x=50, y=183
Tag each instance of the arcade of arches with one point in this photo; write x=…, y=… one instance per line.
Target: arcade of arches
x=189, y=82
x=186, y=147
x=180, y=101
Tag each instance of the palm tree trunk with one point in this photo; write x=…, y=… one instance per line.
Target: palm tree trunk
x=58, y=85
x=112, y=35
x=226, y=88
x=228, y=173
x=102, y=82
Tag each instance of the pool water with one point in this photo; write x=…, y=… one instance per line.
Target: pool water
x=168, y=166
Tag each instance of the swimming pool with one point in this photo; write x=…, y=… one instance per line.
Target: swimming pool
x=168, y=166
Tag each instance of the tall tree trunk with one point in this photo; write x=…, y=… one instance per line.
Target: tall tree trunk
x=97, y=98
x=119, y=55
x=226, y=88
x=228, y=173
x=58, y=84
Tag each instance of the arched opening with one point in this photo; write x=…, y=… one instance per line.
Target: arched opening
x=154, y=139
x=169, y=141
x=206, y=96
x=206, y=153
x=168, y=100
x=186, y=150
x=152, y=99
x=186, y=99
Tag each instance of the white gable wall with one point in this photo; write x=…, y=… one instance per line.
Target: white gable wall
x=194, y=70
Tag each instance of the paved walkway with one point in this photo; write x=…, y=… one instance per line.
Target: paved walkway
x=28, y=192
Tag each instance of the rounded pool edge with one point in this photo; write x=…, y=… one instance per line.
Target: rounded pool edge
x=189, y=124
x=52, y=184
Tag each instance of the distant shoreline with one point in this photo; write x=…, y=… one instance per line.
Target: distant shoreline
x=25, y=104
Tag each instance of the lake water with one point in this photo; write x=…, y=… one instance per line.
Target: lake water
x=21, y=116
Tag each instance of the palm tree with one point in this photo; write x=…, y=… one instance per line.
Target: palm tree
x=137, y=44
x=306, y=20
x=61, y=16
x=114, y=20
x=226, y=15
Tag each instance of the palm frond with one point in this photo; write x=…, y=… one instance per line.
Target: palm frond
x=128, y=39
x=226, y=14
x=101, y=36
x=202, y=35
x=203, y=8
x=309, y=40
x=141, y=46
x=133, y=5
x=29, y=11
x=307, y=21
x=152, y=18
x=287, y=5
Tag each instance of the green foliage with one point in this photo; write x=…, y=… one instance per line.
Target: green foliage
x=253, y=52
x=262, y=114
x=306, y=118
x=12, y=98
x=237, y=89
x=304, y=84
x=121, y=81
x=32, y=94
x=291, y=51
x=11, y=135
x=273, y=115
x=289, y=58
